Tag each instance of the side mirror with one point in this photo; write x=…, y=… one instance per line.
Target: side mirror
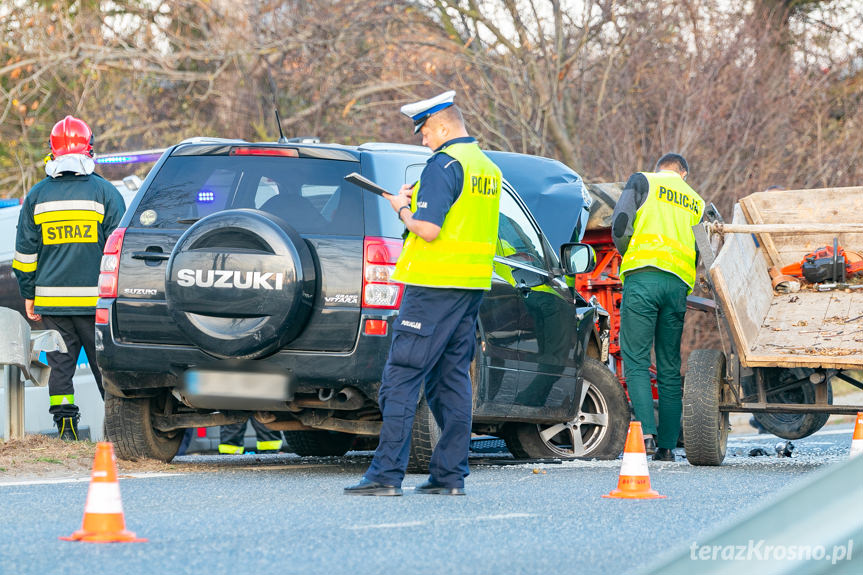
x=577, y=258
x=133, y=183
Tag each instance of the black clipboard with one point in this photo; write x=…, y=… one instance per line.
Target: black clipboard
x=366, y=184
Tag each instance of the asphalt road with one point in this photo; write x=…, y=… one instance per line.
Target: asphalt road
x=284, y=514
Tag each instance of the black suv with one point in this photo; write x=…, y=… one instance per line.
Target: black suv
x=250, y=279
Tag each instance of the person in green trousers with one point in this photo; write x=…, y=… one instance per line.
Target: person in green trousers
x=652, y=229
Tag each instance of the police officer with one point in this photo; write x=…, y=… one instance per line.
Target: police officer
x=451, y=215
x=652, y=229
x=232, y=438
x=62, y=228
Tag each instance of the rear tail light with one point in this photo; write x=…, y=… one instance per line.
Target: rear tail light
x=264, y=151
x=379, y=262
x=110, y=266
x=102, y=316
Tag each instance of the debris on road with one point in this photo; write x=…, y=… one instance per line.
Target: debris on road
x=784, y=449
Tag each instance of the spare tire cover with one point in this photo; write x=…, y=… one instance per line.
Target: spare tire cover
x=240, y=284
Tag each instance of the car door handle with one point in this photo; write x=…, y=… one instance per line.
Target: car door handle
x=158, y=256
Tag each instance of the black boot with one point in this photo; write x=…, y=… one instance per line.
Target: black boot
x=663, y=454
x=67, y=428
x=649, y=445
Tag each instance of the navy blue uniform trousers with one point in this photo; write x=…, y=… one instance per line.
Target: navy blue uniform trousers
x=433, y=343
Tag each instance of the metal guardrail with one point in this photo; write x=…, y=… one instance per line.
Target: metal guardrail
x=812, y=527
x=19, y=356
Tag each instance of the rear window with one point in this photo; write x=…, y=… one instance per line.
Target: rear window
x=310, y=194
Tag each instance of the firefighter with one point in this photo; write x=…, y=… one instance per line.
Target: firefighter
x=451, y=215
x=232, y=438
x=652, y=228
x=64, y=222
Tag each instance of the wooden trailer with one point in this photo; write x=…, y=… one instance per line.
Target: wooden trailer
x=780, y=350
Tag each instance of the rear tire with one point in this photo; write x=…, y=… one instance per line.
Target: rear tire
x=425, y=435
x=597, y=432
x=128, y=425
x=705, y=428
x=320, y=443
x=791, y=425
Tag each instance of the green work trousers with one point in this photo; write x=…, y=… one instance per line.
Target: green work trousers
x=651, y=316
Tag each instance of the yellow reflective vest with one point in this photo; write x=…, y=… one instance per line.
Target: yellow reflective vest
x=662, y=231
x=462, y=254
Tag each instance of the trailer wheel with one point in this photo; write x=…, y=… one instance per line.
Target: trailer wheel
x=790, y=425
x=705, y=428
x=129, y=426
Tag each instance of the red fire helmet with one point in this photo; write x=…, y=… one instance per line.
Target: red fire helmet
x=71, y=136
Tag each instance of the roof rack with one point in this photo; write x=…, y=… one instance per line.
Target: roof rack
x=392, y=147
x=210, y=140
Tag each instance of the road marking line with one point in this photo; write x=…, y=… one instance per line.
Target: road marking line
x=764, y=436
x=82, y=479
x=388, y=525
x=286, y=467
x=502, y=516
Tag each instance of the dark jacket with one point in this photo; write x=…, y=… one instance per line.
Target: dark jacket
x=62, y=229
x=634, y=193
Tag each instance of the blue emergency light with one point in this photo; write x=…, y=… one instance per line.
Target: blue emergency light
x=131, y=158
x=117, y=160
x=9, y=202
x=206, y=197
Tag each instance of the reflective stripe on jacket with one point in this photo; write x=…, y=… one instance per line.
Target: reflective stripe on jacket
x=462, y=254
x=662, y=231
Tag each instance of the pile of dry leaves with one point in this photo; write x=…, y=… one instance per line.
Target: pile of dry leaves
x=39, y=456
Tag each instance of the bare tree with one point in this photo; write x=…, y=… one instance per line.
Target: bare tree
x=603, y=86
x=607, y=87
x=146, y=73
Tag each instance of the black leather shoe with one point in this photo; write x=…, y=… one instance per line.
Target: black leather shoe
x=649, y=445
x=366, y=487
x=67, y=428
x=663, y=454
x=430, y=488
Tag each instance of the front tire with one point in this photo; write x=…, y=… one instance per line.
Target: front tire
x=705, y=428
x=129, y=426
x=597, y=432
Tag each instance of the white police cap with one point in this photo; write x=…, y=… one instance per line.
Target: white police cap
x=419, y=112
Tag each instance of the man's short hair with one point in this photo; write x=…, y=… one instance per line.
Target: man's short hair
x=673, y=161
x=451, y=115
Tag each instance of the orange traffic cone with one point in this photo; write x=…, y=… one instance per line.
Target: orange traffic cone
x=857, y=438
x=103, y=513
x=634, y=480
